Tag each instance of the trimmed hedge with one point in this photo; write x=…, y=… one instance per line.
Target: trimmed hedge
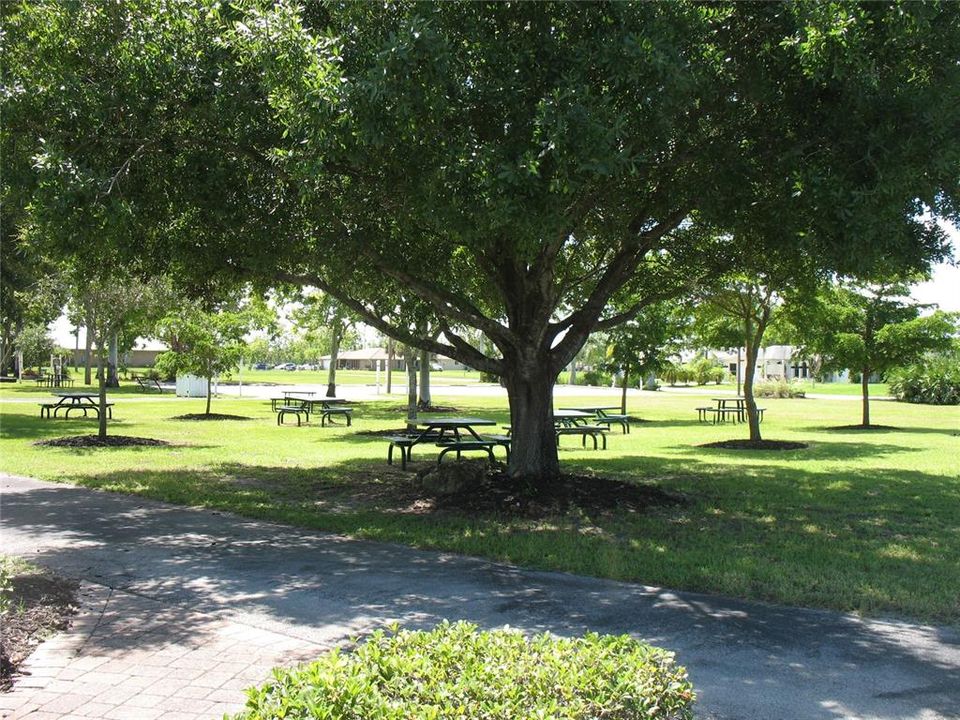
x=457, y=671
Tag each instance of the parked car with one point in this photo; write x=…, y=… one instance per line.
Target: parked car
x=307, y=366
x=285, y=366
x=260, y=366
x=436, y=367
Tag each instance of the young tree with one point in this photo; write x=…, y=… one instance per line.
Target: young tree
x=643, y=344
x=110, y=306
x=738, y=313
x=209, y=343
x=512, y=166
x=35, y=345
x=322, y=311
x=873, y=327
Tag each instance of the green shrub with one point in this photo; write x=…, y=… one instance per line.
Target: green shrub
x=488, y=377
x=933, y=381
x=597, y=378
x=777, y=389
x=457, y=671
x=703, y=370
x=673, y=374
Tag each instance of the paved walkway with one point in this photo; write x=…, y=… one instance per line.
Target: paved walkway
x=183, y=608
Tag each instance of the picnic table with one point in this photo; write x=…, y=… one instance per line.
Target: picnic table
x=54, y=380
x=578, y=422
x=602, y=415
x=297, y=402
x=302, y=397
x=732, y=407
x=452, y=434
x=70, y=400
x=569, y=417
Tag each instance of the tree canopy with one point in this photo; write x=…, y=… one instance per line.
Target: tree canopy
x=509, y=167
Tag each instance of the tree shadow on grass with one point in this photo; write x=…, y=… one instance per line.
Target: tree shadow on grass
x=854, y=432
x=740, y=655
x=17, y=426
x=817, y=449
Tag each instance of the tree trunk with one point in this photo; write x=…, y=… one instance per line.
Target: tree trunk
x=112, y=379
x=623, y=395
x=533, y=450
x=88, y=345
x=390, y=352
x=424, y=380
x=336, y=332
x=573, y=372
x=102, y=387
x=209, y=392
x=6, y=355
x=409, y=356
x=753, y=350
x=865, y=388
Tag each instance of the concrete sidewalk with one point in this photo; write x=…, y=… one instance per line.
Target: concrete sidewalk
x=185, y=607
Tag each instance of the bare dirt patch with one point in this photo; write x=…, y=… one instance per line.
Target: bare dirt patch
x=84, y=441
x=862, y=427
x=41, y=603
x=756, y=445
x=595, y=495
x=211, y=416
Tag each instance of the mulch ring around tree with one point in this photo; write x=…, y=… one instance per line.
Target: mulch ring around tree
x=82, y=441
x=756, y=445
x=862, y=427
x=428, y=409
x=40, y=604
x=594, y=495
x=211, y=416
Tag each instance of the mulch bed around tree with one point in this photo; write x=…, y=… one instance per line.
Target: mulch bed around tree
x=40, y=604
x=95, y=441
x=382, y=433
x=862, y=427
x=756, y=445
x=429, y=409
x=211, y=416
x=592, y=494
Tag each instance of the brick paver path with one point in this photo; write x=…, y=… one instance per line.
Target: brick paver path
x=185, y=607
x=128, y=657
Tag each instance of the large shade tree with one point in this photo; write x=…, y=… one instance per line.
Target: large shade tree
x=512, y=167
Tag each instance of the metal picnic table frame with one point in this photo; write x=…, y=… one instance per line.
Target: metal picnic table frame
x=78, y=400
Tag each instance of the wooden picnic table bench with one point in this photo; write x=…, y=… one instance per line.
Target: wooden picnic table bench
x=298, y=410
x=328, y=413
x=68, y=401
x=147, y=383
x=445, y=433
x=584, y=431
x=602, y=416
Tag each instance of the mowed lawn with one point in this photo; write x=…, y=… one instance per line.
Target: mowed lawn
x=861, y=521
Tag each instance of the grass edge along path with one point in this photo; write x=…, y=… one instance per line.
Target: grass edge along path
x=866, y=522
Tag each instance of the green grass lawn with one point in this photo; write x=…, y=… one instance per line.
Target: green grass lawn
x=862, y=521
x=845, y=388
x=352, y=377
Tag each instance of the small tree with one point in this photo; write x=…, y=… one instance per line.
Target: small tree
x=208, y=343
x=35, y=345
x=322, y=311
x=741, y=309
x=872, y=327
x=643, y=344
x=110, y=306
